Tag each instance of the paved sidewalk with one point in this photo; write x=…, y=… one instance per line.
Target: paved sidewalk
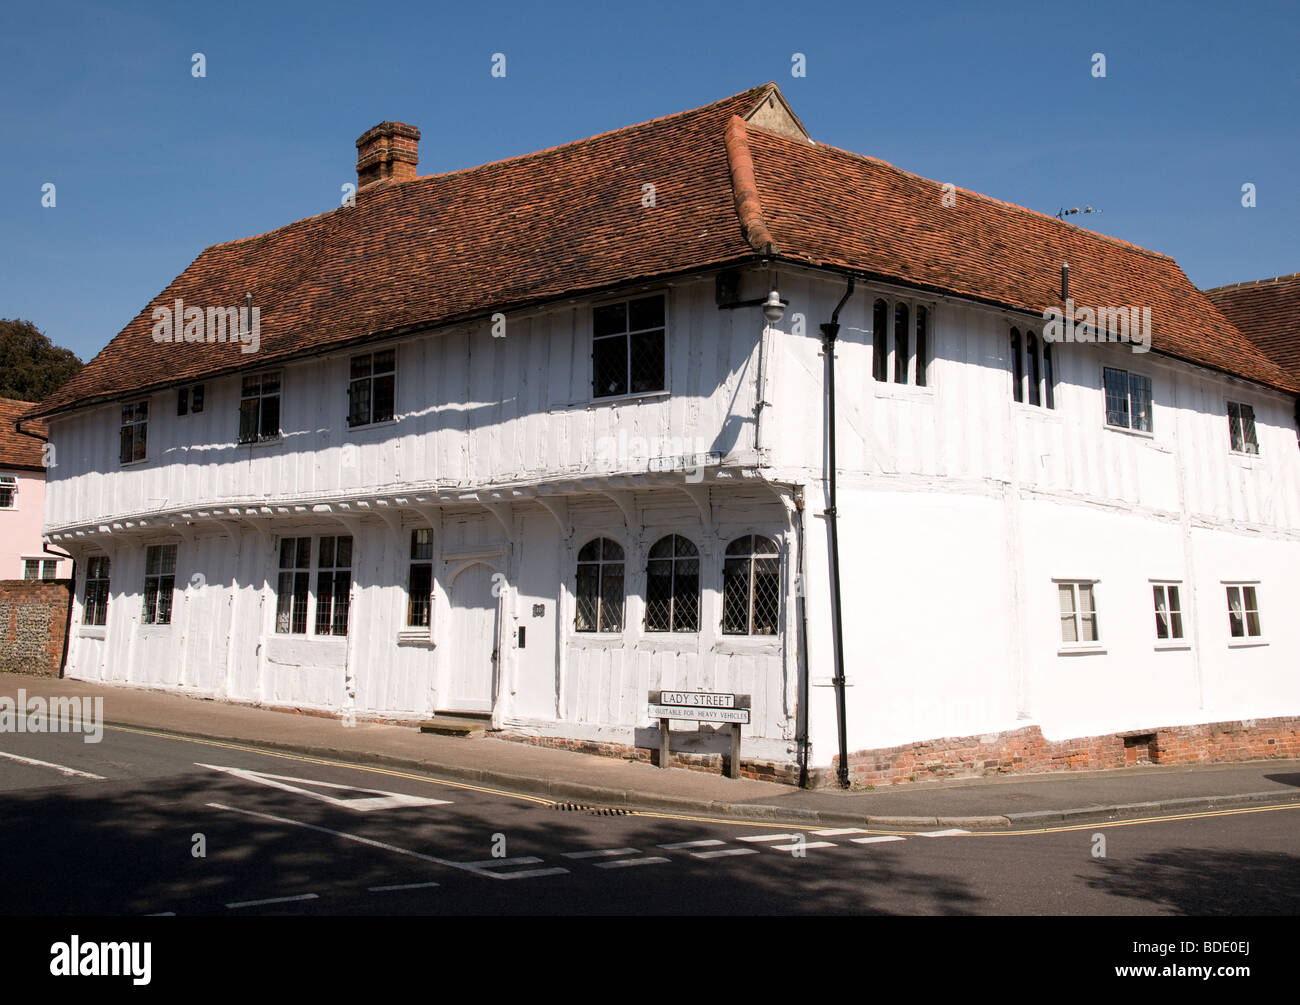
x=1027, y=801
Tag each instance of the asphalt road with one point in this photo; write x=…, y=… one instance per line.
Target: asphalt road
x=117, y=827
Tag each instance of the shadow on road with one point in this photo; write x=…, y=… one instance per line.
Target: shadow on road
x=1199, y=881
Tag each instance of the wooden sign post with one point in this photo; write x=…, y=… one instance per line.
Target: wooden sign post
x=701, y=706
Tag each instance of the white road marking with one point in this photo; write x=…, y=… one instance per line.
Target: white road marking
x=619, y=863
x=70, y=772
x=951, y=832
x=839, y=832
x=601, y=853
x=765, y=837
x=466, y=866
x=401, y=886
x=877, y=840
x=272, y=900
x=723, y=852
x=807, y=844
x=162, y=914
x=492, y=863
x=377, y=799
x=681, y=845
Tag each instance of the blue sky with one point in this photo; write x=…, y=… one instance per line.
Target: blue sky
x=152, y=164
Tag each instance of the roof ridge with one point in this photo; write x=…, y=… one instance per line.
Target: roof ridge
x=978, y=195
x=758, y=92
x=744, y=189
x=1253, y=282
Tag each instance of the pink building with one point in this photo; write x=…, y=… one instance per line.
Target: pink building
x=22, y=499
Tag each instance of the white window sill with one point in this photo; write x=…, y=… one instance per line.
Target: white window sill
x=616, y=399
x=1140, y=434
x=416, y=637
x=361, y=428
x=1035, y=411
x=891, y=389
x=1246, y=643
x=1172, y=645
x=133, y=464
x=596, y=638
x=1081, y=651
x=269, y=441
x=91, y=632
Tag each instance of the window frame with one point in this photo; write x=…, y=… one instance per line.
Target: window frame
x=94, y=607
x=1032, y=365
x=1079, y=645
x=1176, y=613
x=31, y=570
x=674, y=560
x=592, y=338
x=155, y=616
x=601, y=563
x=1247, y=637
x=370, y=379
x=916, y=342
x=1241, y=428
x=751, y=558
x=425, y=599
x=9, y=482
x=1129, y=377
x=312, y=571
x=133, y=423
x=261, y=396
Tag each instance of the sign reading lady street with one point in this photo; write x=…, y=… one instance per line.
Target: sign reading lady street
x=700, y=706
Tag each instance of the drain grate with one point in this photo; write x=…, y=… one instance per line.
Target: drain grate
x=595, y=811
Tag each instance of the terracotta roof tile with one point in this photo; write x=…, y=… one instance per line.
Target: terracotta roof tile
x=17, y=450
x=1267, y=311
x=520, y=232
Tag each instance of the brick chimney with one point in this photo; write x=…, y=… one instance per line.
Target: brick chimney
x=388, y=152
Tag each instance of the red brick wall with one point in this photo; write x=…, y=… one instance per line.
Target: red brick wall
x=1026, y=751
x=33, y=625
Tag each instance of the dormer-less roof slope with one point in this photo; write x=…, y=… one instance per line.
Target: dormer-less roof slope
x=571, y=219
x=1267, y=311
x=16, y=449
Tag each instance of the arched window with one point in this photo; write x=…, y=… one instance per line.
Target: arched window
x=1031, y=351
x=880, y=341
x=901, y=352
x=751, y=587
x=1017, y=371
x=600, y=587
x=922, y=344
x=672, y=589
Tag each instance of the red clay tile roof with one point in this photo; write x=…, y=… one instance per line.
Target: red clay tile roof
x=17, y=450
x=1267, y=311
x=516, y=233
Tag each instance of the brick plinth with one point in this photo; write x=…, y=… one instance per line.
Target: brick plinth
x=33, y=625
x=1027, y=751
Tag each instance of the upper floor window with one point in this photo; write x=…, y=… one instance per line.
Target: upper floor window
x=1243, y=611
x=95, y=606
x=135, y=429
x=331, y=600
x=672, y=592
x=1241, y=428
x=600, y=587
x=159, y=582
x=1128, y=399
x=31, y=568
x=1169, y=611
x=1078, y=613
x=751, y=587
x=259, y=408
x=907, y=342
x=189, y=400
x=8, y=491
x=1033, y=376
x=627, y=347
x=419, y=591
x=372, y=387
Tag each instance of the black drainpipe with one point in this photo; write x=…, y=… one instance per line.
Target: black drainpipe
x=831, y=331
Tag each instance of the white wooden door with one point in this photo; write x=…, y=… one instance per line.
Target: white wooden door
x=472, y=658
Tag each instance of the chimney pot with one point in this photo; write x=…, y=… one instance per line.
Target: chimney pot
x=387, y=152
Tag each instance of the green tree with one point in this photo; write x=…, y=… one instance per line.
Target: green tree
x=31, y=367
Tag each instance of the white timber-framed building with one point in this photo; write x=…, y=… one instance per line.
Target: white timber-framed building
x=520, y=441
